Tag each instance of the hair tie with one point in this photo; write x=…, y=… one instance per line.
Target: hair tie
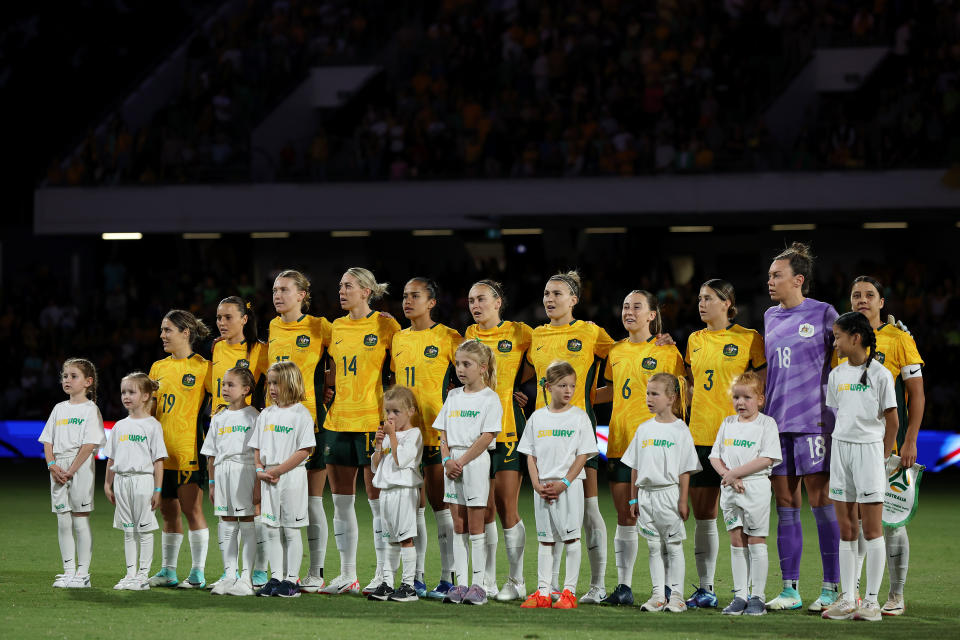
x=248, y=304
x=542, y=382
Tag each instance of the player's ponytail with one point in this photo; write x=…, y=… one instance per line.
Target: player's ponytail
x=301, y=282
x=556, y=371
x=431, y=287
x=496, y=289
x=186, y=321
x=725, y=292
x=367, y=281
x=88, y=370
x=653, y=302
x=801, y=263
x=250, y=326
x=571, y=279
x=483, y=355
x=671, y=386
x=855, y=323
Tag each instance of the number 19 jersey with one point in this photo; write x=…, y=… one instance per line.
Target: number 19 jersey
x=179, y=399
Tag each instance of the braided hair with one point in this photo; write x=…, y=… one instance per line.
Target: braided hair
x=855, y=323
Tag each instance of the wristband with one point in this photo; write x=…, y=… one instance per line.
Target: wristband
x=156, y=489
x=259, y=469
x=632, y=502
x=444, y=461
x=51, y=463
x=565, y=481
x=211, y=482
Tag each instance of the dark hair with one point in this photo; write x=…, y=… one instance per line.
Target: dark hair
x=88, y=370
x=246, y=376
x=725, y=292
x=856, y=324
x=571, y=279
x=656, y=325
x=801, y=263
x=250, y=327
x=433, y=289
x=497, y=290
x=869, y=280
x=184, y=320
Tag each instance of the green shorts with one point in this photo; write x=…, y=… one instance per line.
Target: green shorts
x=617, y=471
x=431, y=455
x=504, y=458
x=316, y=460
x=348, y=448
x=174, y=479
x=709, y=476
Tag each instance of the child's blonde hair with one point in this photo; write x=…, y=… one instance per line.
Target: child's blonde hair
x=88, y=370
x=144, y=383
x=484, y=356
x=289, y=383
x=556, y=371
x=400, y=395
x=671, y=385
x=749, y=379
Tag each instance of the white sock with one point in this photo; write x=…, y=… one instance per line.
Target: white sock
x=545, y=568
x=274, y=551
x=170, y=550
x=199, y=540
x=490, y=569
x=248, y=536
x=861, y=552
x=625, y=543
x=759, y=566
x=293, y=550
x=514, y=540
x=378, y=542
x=478, y=558
x=706, y=546
x=898, y=556
x=676, y=567
x=130, y=552
x=68, y=549
x=460, y=560
x=876, y=558
x=573, y=566
x=419, y=545
x=345, y=534
x=81, y=527
x=739, y=567
x=317, y=535
x=146, y=553
x=657, y=570
x=221, y=546
x=260, y=561
x=445, y=537
x=557, y=550
x=391, y=560
x=229, y=531
x=408, y=555
x=848, y=568
x=596, y=534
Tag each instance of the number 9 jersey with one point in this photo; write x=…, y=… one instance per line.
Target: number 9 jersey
x=179, y=399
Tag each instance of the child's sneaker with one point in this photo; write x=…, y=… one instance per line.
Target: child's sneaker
x=242, y=587
x=311, y=584
x=701, y=599
x=537, y=601
x=676, y=604
x=512, y=590
x=475, y=595
x=595, y=595
x=735, y=608
x=79, y=582
x=420, y=588
x=622, y=595
x=655, y=603
x=381, y=593
x=869, y=611
x=374, y=584
x=211, y=585
x=755, y=607
x=404, y=593
x=440, y=591
x=287, y=589
x=164, y=578
x=567, y=600
x=455, y=595
x=124, y=583
x=894, y=606
x=269, y=588
x=223, y=584
x=842, y=609
x=61, y=580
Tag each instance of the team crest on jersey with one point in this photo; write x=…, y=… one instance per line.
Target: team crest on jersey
x=649, y=364
x=303, y=341
x=574, y=345
x=730, y=350
x=806, y=330
x=189, y=380
x=242, y=364
x=880, y=356
x=370, y=340
x=430, y=352
x=504, y=346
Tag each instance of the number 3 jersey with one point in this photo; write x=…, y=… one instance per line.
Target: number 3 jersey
x=799, y=348
x=179, y=400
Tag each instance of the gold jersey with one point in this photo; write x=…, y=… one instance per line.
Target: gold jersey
x=509, y=342
x=358, y=349
x=302, y=342
x=179, y=401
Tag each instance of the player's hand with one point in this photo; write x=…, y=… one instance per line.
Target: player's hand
x=389, y=426
x=218, y=339
x=684, y=510
x=210, y=493
x=521, y=398
x=108, y=490
x=908, y=454
x=378, y=439
x=154, y=501
x=386, y=314
x=635, y=510
x=664, y=340
x=264, y=476
x=898, y=324
x=66, y=475
x=550, y=492
x=729, y=479
x=738, y=486
x=57, y=474
x=328, y=395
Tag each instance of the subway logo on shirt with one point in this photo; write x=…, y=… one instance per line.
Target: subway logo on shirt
x=64, y=421
x=463, y=413
x=240, y=428
x=277, y=428
x=556, y=433
x=131, y=437
x=853, y=387
x=731, y=442
x=652, y=442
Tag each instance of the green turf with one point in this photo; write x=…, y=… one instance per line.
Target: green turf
x=30, y=608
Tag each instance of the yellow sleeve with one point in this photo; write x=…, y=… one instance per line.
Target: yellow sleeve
x=908, y=353
x=263, y=362
x=208, y=379
x=153, y=375
x=608, y=371
x=388, y=328
x=758, y=358
x=525, y=336
x=690, y=340
x=393, y=350
x=603, y=344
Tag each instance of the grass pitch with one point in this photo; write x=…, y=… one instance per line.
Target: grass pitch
x=30, y=608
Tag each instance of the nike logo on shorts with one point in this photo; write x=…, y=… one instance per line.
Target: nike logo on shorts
x=85, y=504
x=299, y=519
x=570, y=530
x=670, y=535
x=869, y=494
x=505, y=461
x=144, y=524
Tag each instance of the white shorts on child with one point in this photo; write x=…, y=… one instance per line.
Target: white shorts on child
x=857, y=472
x=472, y=488
x=750, y=509
x=398, y=509
x=133, y=493
x=659, y=515
x=233, y=489
x=77, y=494
x=560, y=520
x=285, y=504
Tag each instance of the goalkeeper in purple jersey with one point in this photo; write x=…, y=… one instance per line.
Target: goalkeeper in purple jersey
x=798, y=337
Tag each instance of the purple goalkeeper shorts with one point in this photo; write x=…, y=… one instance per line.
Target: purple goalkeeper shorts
x=803, y=454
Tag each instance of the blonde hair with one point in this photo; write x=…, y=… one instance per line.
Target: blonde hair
x=556, y=371
x=367, y=281
x=571, y=279
x=144, y=383
x=302, y=283
x=484, y=356
x=289, y=383
x=400, y=395
x=671, y=385
x=88, y=370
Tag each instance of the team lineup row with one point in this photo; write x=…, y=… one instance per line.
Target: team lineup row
x=341, y=364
